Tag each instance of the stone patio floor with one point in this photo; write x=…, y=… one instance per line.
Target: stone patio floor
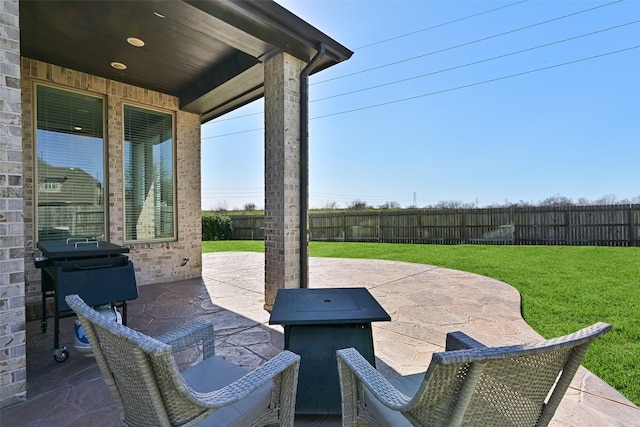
x=424, y=302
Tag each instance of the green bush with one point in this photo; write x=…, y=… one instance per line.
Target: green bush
x=216, y=227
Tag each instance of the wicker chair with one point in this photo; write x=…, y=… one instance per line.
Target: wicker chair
x=142, y=375
x=469, y=384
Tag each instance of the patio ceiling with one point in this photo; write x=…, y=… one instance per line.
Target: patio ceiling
x=208, y=53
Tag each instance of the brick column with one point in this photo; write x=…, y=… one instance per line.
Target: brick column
x=282, y=174
x=13, y=362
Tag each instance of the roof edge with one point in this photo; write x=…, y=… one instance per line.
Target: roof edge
x=306, y=32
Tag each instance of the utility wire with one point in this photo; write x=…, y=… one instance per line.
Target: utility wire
x=467, y=43
x=441, y=50
x=375, y=197
x=233, y=133
x=478, y=83
x=440, y=25
x=475, y=62
x=405, y=35
x=232, y=192
x=449, y=89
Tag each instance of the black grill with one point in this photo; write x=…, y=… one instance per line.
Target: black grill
x=97, y=271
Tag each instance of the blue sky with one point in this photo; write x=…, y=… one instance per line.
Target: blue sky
x=485, y=102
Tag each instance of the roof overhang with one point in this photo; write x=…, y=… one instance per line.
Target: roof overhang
x=208, y=53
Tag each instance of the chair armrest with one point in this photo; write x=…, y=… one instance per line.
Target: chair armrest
x=190, y=335
x=460, y=341
x=285, y=363
x=349, y=359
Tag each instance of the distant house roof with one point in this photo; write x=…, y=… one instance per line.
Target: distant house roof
x=59, y=186
x=208, y=53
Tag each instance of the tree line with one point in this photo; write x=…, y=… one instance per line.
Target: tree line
x=552, y=201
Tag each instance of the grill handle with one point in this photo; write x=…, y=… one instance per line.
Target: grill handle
x=93, y=242
x=93, y=267
x=76, y=239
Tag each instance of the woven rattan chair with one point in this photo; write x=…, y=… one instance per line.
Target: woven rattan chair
x=469, y=384
x=142, y=375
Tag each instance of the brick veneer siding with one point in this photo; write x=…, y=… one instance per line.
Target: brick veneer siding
x=154, y=261
x=282, y=174
x=13, y=362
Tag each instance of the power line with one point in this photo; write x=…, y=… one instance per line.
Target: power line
x=257, y=191
x=405, y=35
x=238, y=117
x=376, y=198
x=448, y=90
x=440, y=25
x=233, y=193
x=478, y=83
x=476, y=62
x=438, y=51
x=229, y=188
x=467, y=43
x=232, y=133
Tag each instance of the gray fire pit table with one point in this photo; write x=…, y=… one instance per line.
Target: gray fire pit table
x=317, y=322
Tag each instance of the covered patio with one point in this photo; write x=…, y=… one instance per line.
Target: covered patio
x=425, y=302
x=101, y=109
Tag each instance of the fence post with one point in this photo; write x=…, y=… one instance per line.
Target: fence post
x=463, y=225
x=567, y=220
x=344, y=226
x=632, y=228
x=512, y=220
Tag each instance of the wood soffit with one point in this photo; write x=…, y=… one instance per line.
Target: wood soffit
x=208, y=53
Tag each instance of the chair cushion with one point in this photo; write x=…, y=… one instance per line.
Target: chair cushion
x=408, y=385
x=214, y=373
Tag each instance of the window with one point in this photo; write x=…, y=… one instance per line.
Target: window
x=149, y=176
x=70, y=177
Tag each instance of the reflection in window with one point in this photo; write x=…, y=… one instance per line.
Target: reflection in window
x=149, y=177
x=70, y=177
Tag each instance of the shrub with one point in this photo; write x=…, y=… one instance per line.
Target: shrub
x=216, y=227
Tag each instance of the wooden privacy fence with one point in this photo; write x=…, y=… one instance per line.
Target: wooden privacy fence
x=617, y=225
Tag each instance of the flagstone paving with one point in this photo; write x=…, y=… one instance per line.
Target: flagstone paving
x=424, y=302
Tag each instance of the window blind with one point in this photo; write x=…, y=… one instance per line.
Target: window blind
x=70, y=177
x=149, y=174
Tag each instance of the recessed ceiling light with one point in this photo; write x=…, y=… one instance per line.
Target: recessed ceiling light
x=77, y=128
x=159, y=15
x=134, y=41
x=118, y=66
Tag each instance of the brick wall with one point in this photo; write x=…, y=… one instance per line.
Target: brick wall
x=282, y=174
x=13, y=386
x=155, y=261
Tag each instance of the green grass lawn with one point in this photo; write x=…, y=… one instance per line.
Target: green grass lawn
x=563, y=288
